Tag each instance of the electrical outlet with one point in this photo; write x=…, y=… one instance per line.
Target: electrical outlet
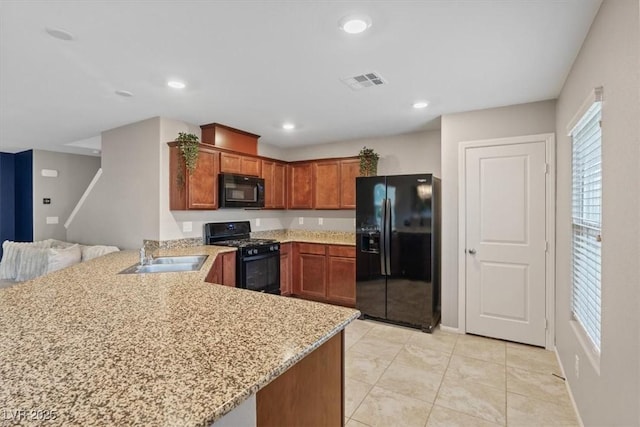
x=300, y=220
x=52, y=220
x=187, y=226
x=320, y=221
x=576, y=366
x=257, y=222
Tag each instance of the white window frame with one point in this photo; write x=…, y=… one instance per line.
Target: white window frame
x=587, y=342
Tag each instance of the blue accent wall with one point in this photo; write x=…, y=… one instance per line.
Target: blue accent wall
x=7, y=198
x=24, y=196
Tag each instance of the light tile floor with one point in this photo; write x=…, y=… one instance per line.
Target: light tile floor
x=397, y=376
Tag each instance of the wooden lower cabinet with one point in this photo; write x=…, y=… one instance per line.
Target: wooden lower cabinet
x=310, y=393
x=285, y=269
x=342, y=279
x=325, y=273
x=223, y=271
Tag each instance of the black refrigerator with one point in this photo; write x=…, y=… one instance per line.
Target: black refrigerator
x=398, y=249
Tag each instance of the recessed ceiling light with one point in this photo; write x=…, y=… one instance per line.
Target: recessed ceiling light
x=59, y=33
x=124, y=93
x=420, y=104
x=288, y=126
x=176, y=84
x=355, y=24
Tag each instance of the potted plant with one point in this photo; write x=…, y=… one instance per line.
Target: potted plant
x=368, y=162
x=189, y=147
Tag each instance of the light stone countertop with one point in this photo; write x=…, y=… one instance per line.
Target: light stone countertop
x=308, y=236
x=164, y=349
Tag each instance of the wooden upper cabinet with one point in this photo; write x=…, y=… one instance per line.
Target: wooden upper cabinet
x=349, y=170
x=239, y=165
x=301, y=186
x=274, y=174
x=230, y=138
x=193, y=191
x=327, y=184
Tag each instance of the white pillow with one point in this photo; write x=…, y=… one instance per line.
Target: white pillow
x=33, y=263
x=91, y=252
x=62, y=258
x=11, y=256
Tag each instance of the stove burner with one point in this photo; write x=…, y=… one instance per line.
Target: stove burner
x=245, y=243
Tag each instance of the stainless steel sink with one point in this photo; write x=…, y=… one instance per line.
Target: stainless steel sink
x=168, y=265
x=194, y=259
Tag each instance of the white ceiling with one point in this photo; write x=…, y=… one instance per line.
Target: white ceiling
x=255, y=64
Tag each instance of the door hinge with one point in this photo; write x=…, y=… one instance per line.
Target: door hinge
x=546, y=168
x=546, y=324
x=546, y=246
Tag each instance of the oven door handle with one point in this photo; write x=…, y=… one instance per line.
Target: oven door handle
x=259, y=257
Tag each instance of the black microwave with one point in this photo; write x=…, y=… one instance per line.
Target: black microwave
x=240, y=191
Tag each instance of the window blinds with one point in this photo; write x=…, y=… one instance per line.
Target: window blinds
x=587, y=198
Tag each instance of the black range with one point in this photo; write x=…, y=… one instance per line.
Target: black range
x=257, y=260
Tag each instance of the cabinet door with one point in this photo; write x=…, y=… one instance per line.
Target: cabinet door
x=349, y=170
x=341, y=286
x=279, y=186
x=301, y=186
x=313, y=276
x=203, y=183
x=230, y=163
x=269, y=184
x=250, y=166
x=285, y=269
x=327, y=184
x=223, y=271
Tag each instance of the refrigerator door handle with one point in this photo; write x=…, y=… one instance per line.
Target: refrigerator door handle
x=387, y=236
x=383, y=264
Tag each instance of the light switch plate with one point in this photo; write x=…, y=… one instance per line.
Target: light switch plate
x=300, y=220
x=320, y=221
x=257, y=222
x=52, y=220
x=187, y=226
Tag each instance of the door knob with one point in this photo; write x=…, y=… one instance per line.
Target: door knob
x=472, y=251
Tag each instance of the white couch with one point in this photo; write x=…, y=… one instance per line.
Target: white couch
x=26, y=261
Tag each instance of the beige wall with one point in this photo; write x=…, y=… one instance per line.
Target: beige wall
x=610, y=58
x=123, y=208
x=515, y=120
x=75, y=172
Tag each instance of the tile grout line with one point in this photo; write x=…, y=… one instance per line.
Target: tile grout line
x=442, y=380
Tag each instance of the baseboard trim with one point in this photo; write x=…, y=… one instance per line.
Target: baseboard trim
x=450, y=329
x=566, y=384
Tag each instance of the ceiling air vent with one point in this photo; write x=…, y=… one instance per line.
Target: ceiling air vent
x=364, y=80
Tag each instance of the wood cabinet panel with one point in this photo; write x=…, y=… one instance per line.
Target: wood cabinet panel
x=279, y=186
x=310, y=393
x=312, y=248
x=313, y=275
x=343, y=251
x=341, y=284
x=229, y=138
x=230, y=163
x=349, y=170
x=197, y=190
x=301, y=186
x=223, y=271
x=324, y=273
x=285, y=269
x=251, y=166
x=239, y=165
x=274, y=184
x=327, y=184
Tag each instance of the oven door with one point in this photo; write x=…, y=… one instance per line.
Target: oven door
x=239, y=191
x=260, y=273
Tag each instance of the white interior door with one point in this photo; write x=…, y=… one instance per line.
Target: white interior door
x=505, y=241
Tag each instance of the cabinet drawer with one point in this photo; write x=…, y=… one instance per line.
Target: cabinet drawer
x=311, y=248
x=342, y=251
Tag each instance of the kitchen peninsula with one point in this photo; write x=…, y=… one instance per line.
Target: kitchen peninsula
x=102, y=348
